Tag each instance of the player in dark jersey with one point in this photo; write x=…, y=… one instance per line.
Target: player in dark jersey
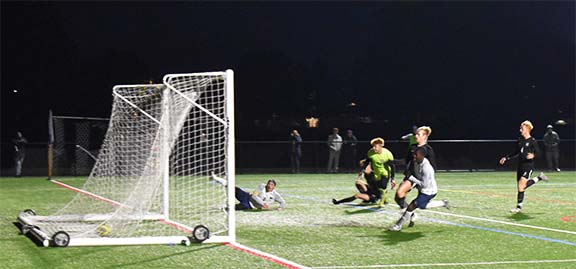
x=526, y=150
x=422, y=134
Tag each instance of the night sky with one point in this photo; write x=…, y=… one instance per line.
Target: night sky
x=471, y=70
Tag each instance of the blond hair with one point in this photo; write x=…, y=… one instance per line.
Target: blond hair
x=377, y=140
x=528, y=124
x=426, y=129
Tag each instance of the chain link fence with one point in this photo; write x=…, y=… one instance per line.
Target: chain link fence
x=274, y=157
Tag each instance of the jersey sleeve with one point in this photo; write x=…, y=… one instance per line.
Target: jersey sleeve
x=515, y=153
x=392, y=165
x=278, y=198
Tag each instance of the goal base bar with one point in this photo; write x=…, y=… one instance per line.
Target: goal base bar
x=130, y=241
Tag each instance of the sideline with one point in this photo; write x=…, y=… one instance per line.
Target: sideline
x=267, y=256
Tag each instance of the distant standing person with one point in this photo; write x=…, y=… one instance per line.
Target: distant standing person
x=526, y=150
x=20, y=152
x=551, y=143
x=334, y=149
x=296, y=151
x=350, y=143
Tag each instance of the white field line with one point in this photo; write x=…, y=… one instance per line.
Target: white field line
x=267, y=256
x=499, y=221
x=448, y=264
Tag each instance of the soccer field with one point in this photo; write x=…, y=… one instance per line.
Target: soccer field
x=477, y=232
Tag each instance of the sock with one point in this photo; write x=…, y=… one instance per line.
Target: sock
x=520, y=199
x=401, y=202
x=345, y=200
x=531, y=182
x=404, y=218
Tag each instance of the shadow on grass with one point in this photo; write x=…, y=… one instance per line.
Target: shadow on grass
x=256, y=210
x=520, y=216
x=393, y=238
x=32, y=238
x=361, y=211
x=142, y=263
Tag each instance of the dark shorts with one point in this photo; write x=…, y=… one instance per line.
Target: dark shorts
x=422, y=200
x=375, y=186
x=244, y=198
x=524, y=170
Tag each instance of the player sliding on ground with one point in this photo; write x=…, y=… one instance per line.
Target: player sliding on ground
x=261, y=198
x=378, y=168
x=423, y=178
x=526, y=150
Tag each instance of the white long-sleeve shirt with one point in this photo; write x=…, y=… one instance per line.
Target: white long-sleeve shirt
x=260, y=197
x=424, y=178
x=335, y=142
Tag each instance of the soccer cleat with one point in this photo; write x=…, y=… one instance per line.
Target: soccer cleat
x=395, y=228
x=516, y=210
x=446, y=203
x=542, y=176
x=334, y=201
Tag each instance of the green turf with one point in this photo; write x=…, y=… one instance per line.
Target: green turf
x=477, y=232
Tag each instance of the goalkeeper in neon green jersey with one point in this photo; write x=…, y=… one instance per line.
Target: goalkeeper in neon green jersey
x=378, y=168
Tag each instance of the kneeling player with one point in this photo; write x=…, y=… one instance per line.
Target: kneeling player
x=423, y=178
x=377, y=169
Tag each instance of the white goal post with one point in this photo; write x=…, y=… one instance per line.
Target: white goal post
x=152, y=182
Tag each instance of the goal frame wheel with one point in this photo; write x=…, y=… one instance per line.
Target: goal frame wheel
x=61, y=239
x=30, y=212
x=200, y=233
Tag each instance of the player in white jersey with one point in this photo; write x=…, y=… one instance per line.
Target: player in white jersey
x=263, y=197
x=423, y=178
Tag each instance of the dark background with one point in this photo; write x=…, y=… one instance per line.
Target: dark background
x=471, y=70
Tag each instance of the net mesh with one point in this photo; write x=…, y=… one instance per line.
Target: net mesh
x=163, y=143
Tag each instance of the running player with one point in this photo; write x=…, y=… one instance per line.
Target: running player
x=422, y=134
x=378, y=168
x=423, y=179
x=526, y=150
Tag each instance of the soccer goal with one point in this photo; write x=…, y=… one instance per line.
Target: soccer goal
x=152, y=183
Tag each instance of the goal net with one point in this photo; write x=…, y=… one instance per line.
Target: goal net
x=152, y=181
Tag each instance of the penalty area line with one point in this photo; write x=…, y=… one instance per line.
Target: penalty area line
x=266, y=256
x=447, y=264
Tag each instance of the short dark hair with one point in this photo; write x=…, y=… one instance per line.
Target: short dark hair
x=421, y=150
x=273, y=181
